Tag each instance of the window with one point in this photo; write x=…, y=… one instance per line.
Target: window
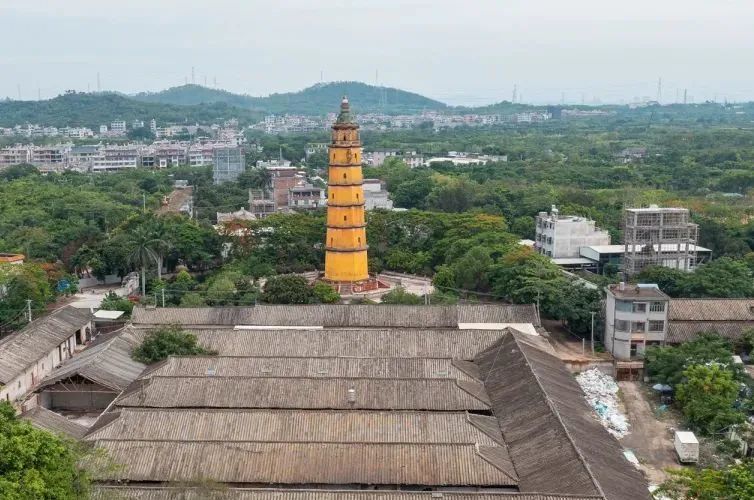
x=624, y=306
x=344, y=176
x=656, y=326
x=357, y=196
x=657, y=307
x=333, y=196
x=638, y=326
x=621, y=325
x=345, y=218
x=640, y=307
x=359, y=238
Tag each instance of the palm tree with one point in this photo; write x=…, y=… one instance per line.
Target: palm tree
x=158, y=244
x=141, y=243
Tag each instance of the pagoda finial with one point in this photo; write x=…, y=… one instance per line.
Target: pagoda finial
x=345, y=111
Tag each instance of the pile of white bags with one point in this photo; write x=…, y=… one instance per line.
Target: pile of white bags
x=602, y=394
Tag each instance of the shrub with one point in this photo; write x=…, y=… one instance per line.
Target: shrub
x=167, y=341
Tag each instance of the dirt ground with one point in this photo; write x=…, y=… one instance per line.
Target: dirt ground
x=650, y=439
x=567, y=346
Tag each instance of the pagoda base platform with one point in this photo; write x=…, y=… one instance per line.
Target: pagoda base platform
x=364, y=288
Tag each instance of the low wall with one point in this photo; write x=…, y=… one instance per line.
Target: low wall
x=578, y=366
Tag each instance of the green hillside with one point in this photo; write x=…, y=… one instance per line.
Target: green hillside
x=91, y=110
x=318, y=99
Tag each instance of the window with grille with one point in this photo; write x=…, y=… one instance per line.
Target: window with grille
x=656, y=326
x=657, y=307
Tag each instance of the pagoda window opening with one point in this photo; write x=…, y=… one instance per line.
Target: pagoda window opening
x=344, y=176
x=345, y=218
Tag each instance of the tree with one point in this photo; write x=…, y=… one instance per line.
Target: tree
x=667, y=364
x=192, y=299
x=733, y=482
x=255, y=178
x=36, y=464
x=325, y=294
x=141, y=253
x=706, y=397
x=112, y=302
x=287, y=289
x=18, y=284
x=472, y=270
x=167, y=341
x=400, y=296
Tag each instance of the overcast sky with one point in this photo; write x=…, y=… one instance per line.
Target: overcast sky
x=461, y=52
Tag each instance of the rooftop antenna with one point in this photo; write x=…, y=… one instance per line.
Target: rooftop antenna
x=99, y=86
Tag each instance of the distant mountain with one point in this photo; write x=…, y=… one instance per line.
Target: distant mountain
x=93, y=109
x=318, y=99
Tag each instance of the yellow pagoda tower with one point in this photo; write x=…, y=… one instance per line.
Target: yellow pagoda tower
x=346, y=245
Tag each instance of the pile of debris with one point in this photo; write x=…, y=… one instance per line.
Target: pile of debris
x=602, y=394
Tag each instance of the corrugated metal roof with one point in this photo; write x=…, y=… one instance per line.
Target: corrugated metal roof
x=197, y=493
x=364, y=343
x=47, y=420
x=711, y=310
x=556, y=443
x=342, y=426
x=303, y=393
x=309, y=367
x=36, y=340
x=108, y=363
x=395, y=316
x=301, y=463
x=683, y=331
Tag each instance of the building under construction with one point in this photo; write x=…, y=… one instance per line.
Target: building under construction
x=657, y=236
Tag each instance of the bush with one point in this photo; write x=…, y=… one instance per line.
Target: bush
x=287, y=289
x=167, y=341
x=113, y=302
x=399, y=295
x=706, y=397
x=325, y=294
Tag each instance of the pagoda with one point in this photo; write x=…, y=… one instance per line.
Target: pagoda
x=346, y=246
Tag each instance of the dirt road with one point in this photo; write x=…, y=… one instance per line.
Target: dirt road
x=649, y=438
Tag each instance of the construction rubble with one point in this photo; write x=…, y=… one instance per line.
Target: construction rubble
x=602, y=394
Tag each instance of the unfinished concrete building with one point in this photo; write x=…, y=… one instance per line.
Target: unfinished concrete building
x=657, y=236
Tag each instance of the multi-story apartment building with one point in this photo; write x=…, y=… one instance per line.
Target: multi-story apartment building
x=111, y=157
x=201, y=155
x=561, y=236
x=306, y=196
x=49, y=158
x=14, y=155
x=635, y=316
x=169, y=154
x=227, y=164
x=118, y=127
x=82, y=157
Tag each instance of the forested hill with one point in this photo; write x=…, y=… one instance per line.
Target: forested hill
x=92, y=110
x=318, y=99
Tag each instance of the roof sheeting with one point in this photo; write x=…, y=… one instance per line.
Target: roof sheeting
x=302, y=463
x=198, y=493
x=683, y=331
x=303, y=393
x=555, y=442
x=309, y=367
x=44, y=419
x=382, y=343
x=108, y=363
x=342, y=426
x=711, y=310
x=36, y=340
x=395, y=316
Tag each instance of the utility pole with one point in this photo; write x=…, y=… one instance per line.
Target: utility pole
x=592, y=332
x=28, y=309
x=163, y=297
x=144, y=202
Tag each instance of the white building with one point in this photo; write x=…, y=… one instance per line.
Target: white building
x=118, y=127
x=375, y=195
x=113, y=157
x=561, y=236
x=30, y=354
x=635, y=316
